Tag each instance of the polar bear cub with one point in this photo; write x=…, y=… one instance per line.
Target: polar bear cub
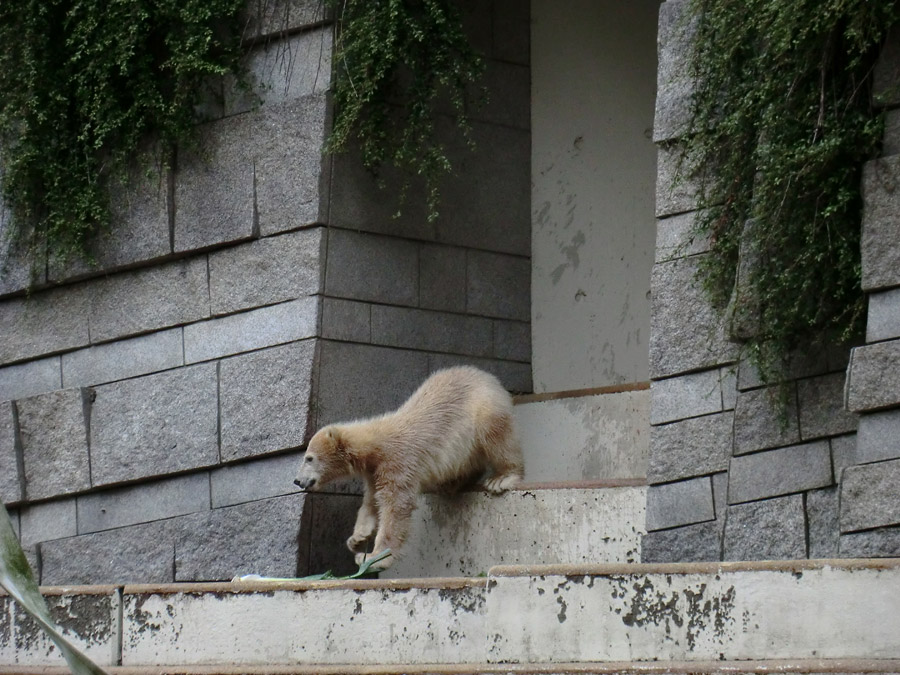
x=456, y=427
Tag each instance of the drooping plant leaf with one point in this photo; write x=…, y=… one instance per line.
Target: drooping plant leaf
x=17, y=579
x=364, y=569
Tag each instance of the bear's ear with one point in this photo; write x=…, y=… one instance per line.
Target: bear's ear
x=333, y=434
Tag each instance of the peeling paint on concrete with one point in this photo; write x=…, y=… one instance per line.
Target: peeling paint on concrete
x=746, y=614
x=87, y=619
x=328, y=624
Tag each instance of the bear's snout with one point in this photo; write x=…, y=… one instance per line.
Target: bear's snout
x=305, y=484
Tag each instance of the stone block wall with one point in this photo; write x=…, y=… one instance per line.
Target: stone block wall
x=870, y=490
x=730, y=478
x=152, y=408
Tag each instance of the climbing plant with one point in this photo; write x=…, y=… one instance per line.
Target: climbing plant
x=398, y=62
x=782, y=125
x=83, y=85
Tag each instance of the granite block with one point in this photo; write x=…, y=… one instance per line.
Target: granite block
x=44, y=323
x=265, y=400
x=822, y=410
x=883, y=321
x=346, y=320
x=30, y=378
x=762, y=420
x=259, y=537
x=371, y=267
x=686, y=396
x=266, y=271
x=251, y=481
x=123, y=359
x=288, y=168
x=431, y=331
x=873, y=377
x=680, y=503
x=778, y=472
x=686, y=332
x=498, y=285
x=53, y=429
x=880, y=226
x=677, y=237
x=824, y=524
x=10, y=473
x=143, y=503
x=48, y=521
x=772, y=529
x=881, y=543
x=701, y=542
x=140, y=554
x=675, y=86
x=155, y=425
x=283, y=70
x=691, y=447
x=878, y=437
x=357, y=381
x=251, y=330
x=512, y=340
x=442, y=278
x=149, y=299
x=869, y=496
x=274, y=18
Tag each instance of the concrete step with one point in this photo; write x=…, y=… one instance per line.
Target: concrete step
x=808, y=610
x=554, y=523
x=772, y=667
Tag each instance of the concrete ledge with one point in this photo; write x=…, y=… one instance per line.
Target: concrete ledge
x=774, y=667
x=849, y=564
x=693, y=611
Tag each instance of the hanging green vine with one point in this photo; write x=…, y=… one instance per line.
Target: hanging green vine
x=83, y=83
x=397, y=61
x=783, y=115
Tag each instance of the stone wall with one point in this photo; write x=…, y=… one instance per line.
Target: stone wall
x=729, y=480
x=870, y=490
x=154, y=406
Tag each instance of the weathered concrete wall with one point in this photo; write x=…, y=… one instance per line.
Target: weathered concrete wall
x=584, y=438
x=153, y=407
x=729, y=481
x=532, y=524
x=548, y=618
x=594, y=163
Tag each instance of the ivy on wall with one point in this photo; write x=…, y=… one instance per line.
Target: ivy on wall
x=398, y=62
x=83, y=85
x=782, y=125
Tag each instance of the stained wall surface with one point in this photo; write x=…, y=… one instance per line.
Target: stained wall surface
x=594, y=166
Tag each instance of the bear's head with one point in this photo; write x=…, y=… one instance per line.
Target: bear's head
x=324, y=461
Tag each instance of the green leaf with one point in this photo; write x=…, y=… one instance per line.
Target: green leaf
x=16, y=577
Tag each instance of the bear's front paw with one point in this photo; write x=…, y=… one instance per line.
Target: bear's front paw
x=499, y=484
x=358, y=543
